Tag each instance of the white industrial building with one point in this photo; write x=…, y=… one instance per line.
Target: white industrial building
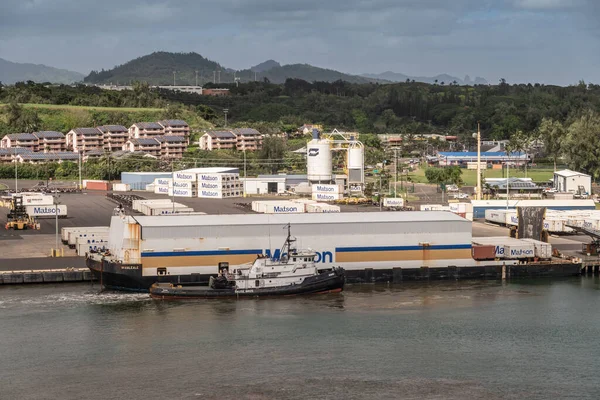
x=569, y=181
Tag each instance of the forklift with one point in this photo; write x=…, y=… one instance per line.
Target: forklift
x=18, y=219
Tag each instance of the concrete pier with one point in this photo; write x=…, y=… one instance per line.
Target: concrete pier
x=45, y=276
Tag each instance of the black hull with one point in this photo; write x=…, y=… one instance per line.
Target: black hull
x=129, y=276
x=326, y=282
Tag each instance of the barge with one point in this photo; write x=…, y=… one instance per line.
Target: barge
x=370, y=247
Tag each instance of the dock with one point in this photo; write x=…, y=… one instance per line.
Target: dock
x=43, y=270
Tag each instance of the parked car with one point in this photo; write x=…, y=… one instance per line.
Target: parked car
x=452, y=188
x=461, y=196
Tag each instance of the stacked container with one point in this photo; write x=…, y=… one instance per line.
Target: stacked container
x=322, y=208
x=162, y=185
x=277, y=207
x=219, y=185
x=322, y=192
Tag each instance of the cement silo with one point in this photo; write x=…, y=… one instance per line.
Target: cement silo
x=318, y=159
x=356, y=162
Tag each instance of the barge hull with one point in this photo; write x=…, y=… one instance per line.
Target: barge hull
x=128, y=277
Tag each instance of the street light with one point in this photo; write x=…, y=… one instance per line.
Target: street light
x=56, y=203
x=477, y=135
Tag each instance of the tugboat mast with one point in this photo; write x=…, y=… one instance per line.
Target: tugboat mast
x=287, y=246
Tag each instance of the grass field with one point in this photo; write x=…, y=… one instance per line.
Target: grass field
x=69, y=107
x=469, y=177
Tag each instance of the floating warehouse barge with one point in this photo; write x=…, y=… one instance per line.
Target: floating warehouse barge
x=371, y=247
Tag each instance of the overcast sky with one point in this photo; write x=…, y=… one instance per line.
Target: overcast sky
x=550, y=41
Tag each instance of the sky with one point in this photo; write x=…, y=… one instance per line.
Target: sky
x=546, y=41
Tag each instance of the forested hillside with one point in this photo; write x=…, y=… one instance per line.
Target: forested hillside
x=11, y=72
x=157, y=69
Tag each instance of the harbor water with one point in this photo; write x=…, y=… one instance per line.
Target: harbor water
x=443, y=340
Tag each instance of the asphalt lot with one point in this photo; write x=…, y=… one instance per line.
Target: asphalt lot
x=93, y=208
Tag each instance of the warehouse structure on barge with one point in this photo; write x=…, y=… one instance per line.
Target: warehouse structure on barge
x=371, y=247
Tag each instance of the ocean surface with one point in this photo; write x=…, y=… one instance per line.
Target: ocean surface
x=459, y=340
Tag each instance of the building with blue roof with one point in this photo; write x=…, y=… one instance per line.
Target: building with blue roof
x=446, y=158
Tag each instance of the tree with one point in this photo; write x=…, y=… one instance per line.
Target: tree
x=22, y=120
x=444, y=175
x=582, y=144
x=553, y=133
x=273, y=152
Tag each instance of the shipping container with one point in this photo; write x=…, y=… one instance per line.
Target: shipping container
x=183, y=192
x=98, y=185
x=47, y=211
x=163, y=182
x=121, y=187
x=542, y=250
x=431, y=207
x=519, y=251
x=277, y=207
x=319, y=196
x=37, y=199
x=322, y=208
x=393, y=202
x=65, y=231
x=84, y=244
x=88, y=233
x=483, y=252
x=136, y=205
x=329, y=189
x=184, y=176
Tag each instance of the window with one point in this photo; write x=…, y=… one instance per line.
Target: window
x=257, y=283
x=161, y=271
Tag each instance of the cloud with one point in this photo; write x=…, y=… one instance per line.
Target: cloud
x=541, y=40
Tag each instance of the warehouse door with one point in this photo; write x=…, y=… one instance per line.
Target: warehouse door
x=272, y=187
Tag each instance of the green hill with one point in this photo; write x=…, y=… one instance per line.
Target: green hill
x=11, y=72
x=157, y=69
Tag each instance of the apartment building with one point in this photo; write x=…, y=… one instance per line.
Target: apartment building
x=176, y=127
x=8, y=155
x=83, y=140
x=145, y=130
x=38, y=158
x=50, y=141
x=172, y=146
x=113, y=137
x=248, y=139
x=218, y=140
x=24, y=140
x=146, y=145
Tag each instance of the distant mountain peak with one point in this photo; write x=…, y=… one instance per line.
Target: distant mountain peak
x=447, y=79
x=11, y=72
x=265, y=66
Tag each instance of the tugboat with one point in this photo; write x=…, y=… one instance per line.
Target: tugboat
x=294, y=273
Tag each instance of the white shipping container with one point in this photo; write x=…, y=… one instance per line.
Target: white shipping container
x=64, y=232
x=121, y=187
x=329, y=189
x=519, y=251
x=304, y=201
x=393, y=202
x=431, y=207
x=47, y=211
x=210, y=194
x=37, y=199
x=182, y=192
x=161, y=190
x=136, y=205
x=163, y=182
x=542, y=250
x=210, y=185
x=184, y=176
x=89, y=233
x=184, y=185
x=327, y=196
x=277, y=207
x=169, y=211
x=322, y=208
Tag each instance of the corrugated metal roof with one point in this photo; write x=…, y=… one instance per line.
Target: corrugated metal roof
x=21, y=136
x=15, y=150
x=279, y=219
x=87, y=131
x=246, y=131
x=566, y=173
x=112, y=128
x=49, y=135
x=148, y=125
x=173, y=122
x=170, y=138
x=221, y=134
x=145, y=142
x=211, y=170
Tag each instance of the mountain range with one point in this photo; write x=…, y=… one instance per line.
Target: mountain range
x=11, y=72
x=165, y=68
x=445, y=78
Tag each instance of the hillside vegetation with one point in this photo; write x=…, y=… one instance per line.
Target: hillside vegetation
x=157, y=69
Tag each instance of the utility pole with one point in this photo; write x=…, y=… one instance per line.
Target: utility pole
x=79, y=162
x=16, y=172
x=478, y=195
x=219, y=75
x=196, y=78
x=396, y=179
x=244, y=171
x=214, y=77
x=173, y=186
x=173, y=78
x=380, y=194
x=225, y=111
x=56, y=202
